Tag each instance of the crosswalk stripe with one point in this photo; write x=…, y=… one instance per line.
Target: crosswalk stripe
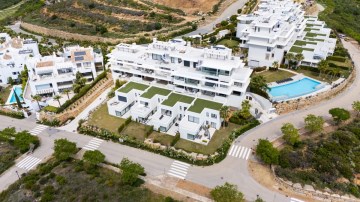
x=178, y=169
x=231, y=149
x=93, y=144
x=238, y=151
x=32, y=164
x=28, y=163
x=24, y=161
x=244, y=154
x=179, y=162
x=241, y=152
x=175, y=175
x=248, y=154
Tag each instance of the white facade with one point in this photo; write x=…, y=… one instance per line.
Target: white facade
x=50, y=75
x=13, y=55
x=211, y=72
x=271, y=31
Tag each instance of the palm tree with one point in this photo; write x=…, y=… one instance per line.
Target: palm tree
x=37, y=98
x=299, y=57
x=58, y=97
x=289, y=57
x=323, y=65
x=67, y=91
x=275, y=65
x=224, y=114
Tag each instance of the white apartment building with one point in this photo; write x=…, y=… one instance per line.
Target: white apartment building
x=13, y=55
x=213, y=73
x=271, y=32
x=194, y=118
x=52, y=74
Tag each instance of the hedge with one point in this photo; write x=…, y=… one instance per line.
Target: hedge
x=336, y=58
x=82, y=92
x=337, y=66
x=13, y=114
x=176, y=139
x=122, y=126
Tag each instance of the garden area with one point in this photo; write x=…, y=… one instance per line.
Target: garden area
x=4, y=94
x=229, y=43
x=274, y=75
x=63, y=178
x=13, y=144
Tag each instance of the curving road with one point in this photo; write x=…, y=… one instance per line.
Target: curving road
x=233, y=170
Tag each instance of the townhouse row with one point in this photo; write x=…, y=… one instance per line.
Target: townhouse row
x=195, y=119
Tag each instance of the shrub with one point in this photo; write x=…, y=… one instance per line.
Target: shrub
x=130, y=171
x=24, y=139
x=259, y=69
x=63, y=149
x=54, y=122
x=13, y=114
x=94, y=157
x=50, y=109
x=336, y=58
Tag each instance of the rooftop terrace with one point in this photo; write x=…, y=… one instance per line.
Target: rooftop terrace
x=155, y=91
x=133, y=85
x=200, y=104
x=174, y=98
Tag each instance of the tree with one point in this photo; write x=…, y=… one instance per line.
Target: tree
x=259, y=200
x=224, y=23
x=79, y=82
x=67, y=91
x=57, y=98
x=239, y=11
x=259, y=86
x=314, y=123
x=227, y=193
x=233, y=18
x=289, y=57
x=267, y=152
x=339, y=114
x=17, y=100
x=275, y=65
x=291, y=134
x=10, y=80
x=224, y=114
x=245, y=109
x=323, y=65
x=356, y=107
x=94, y=157
x=298, y=58
x=130, y=171
x=64, y=149
x=24, y=139
x=212, y=39
x=37, y=98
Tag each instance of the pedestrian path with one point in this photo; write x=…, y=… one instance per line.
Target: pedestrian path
x=38, y=129
x=179, y=169
x=93, y=144
x=28, y=163
x=295, y=200
x=238, y=151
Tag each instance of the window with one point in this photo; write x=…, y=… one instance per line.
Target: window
x=172, y=60
x=186, y=63
x=180, y=107
x=268, y=49
x=117, y=113
x=195, y=64
x=156, y=57
x=236, y=93
x=223, y=72
x=213, y=125
x=185, y=108
x=14, y=73
x=207, y=114
x=159, y=100
x=122, y=98
x=190, y=136
x=193, y=119
x=78, y=65
x=214, y=116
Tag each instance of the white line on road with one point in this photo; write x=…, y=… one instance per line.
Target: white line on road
x=28, y=163
x=93, y=144
x=178, y=169
x=238, y=151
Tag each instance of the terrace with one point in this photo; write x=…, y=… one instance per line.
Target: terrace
x=174, y=98
x=155, y=91
x=133, y=85
x=200, y=104
x=298, y=49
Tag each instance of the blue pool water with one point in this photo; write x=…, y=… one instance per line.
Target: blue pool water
x=298, y=88
x=18, y=91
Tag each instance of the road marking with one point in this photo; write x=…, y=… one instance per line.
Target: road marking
x=38, y=129
x=93, y=144
x=28, y=163
x=238, y=151
x=178, y=169
x=295, y=200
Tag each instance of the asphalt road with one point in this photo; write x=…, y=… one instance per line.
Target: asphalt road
x=233, y=170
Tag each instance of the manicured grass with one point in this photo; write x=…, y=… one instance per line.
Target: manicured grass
x=133, y=85
x=303, y=43
x=229, y=43
x=309, y=34
x=308, y=29
x=155, y=91
x=272, y=76
x=102, y=119
x=50, y=108
x=4, y=94
x=314, y=75
x=75, y=180
x=174, y=98
x=135, y=130
x=297, y=49
x=313, y=39
x=200, y=104
x=162, y=138
x=215, y=143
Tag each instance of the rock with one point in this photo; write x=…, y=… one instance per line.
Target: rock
x=162, y=147
x=297, y=185
x=289, y=183
x=309, y=187
x=327, y=190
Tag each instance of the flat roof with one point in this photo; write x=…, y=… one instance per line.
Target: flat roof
x=133, y=85
x=200, y=104
x=174, y=98
x=155, y=91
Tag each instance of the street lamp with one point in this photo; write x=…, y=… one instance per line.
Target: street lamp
x=17, y=174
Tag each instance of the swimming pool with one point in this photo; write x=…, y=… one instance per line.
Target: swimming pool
x=18, y=92
x=295, y=89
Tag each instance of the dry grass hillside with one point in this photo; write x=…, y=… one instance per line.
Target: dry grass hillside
x=190, y=6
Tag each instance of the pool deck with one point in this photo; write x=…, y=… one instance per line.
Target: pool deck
x=325, y=87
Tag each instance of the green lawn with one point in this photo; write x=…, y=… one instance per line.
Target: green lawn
x=200, y=104
x=272, y=76
x=215, y=142
x=297, y=49
x=309, y=34
x=4, y=94
x=308, y=29
x=174, y=98
x=102, y=119
x=162, y=138
x=315, y=75
x=303, y=43
x=313, y=39
x=133, y=85
x=135, y=130
x=155, y=91
x=229, y=43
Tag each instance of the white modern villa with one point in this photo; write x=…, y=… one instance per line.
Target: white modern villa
x=195, y=119
x=279, y=27
x=211, y=73
x=52, y=74
x=13, y=55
